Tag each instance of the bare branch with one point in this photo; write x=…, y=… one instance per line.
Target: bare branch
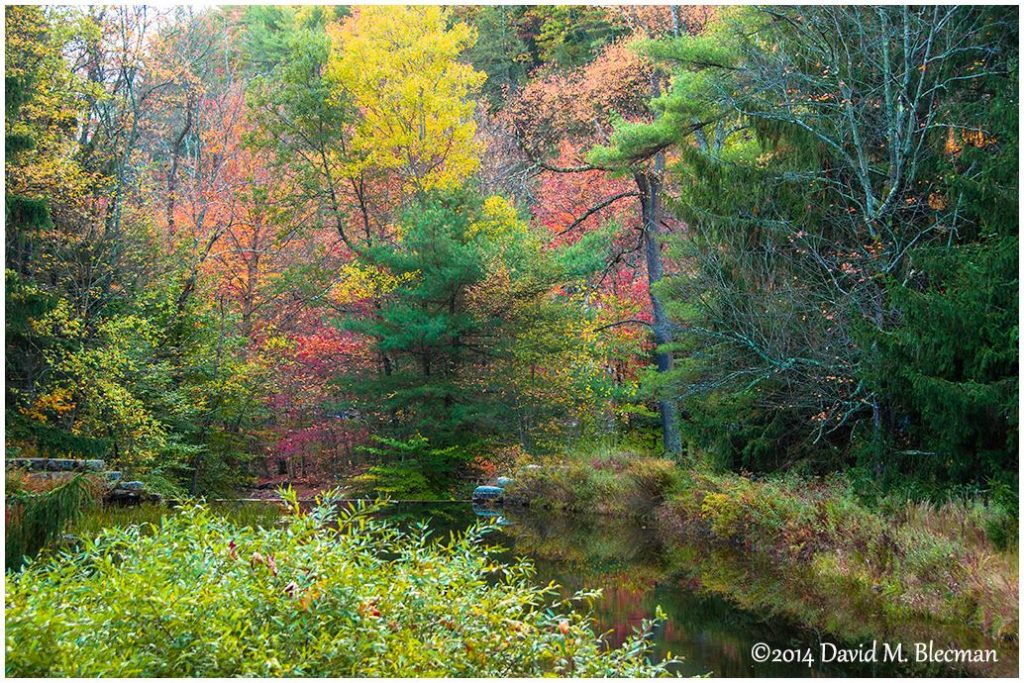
x=597, y=207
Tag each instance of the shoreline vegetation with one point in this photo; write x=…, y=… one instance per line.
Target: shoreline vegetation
x=814, y=551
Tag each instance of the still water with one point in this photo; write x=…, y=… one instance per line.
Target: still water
x=637, y=572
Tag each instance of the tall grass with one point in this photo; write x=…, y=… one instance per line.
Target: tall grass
x=38, y=511
x=927, y=559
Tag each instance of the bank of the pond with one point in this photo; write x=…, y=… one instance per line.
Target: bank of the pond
x=818, y=555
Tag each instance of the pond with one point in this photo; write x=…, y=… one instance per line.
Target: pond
x=636, y=573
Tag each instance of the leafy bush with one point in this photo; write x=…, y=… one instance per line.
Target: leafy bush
x=335, y=593
x=721, y=514
x=653, y=477
x=148, y=516
x=577, y=486
x=1002, y=524
x=612, y=481
x=412, y=469
x=400, y=482
x=162, y=483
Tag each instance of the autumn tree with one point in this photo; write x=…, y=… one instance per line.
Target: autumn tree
x=370, y=109
x=125, y=369
x=363, y=112
x=400, y=68
x=40, y=114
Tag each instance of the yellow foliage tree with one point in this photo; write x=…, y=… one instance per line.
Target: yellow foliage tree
x=499, y=219
x=358, y=282
x=399, y=66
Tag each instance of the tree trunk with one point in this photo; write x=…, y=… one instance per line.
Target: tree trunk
x=649, y=184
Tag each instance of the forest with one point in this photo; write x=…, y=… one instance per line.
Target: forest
x=751, y=266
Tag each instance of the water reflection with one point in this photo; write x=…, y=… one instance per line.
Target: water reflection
x=491, y=515
x=636, y=572
x=629, y=563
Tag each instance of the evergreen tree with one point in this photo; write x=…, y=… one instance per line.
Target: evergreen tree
x=949, y=364
x=832, y=220
x=484, y=339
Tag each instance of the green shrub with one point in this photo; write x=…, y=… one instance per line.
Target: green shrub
x=653, y=478
x=334, y=593
x=163, y=484
x=722, y=514
x=148, y=515
x=1001, y=525
x=1001, y=529
x=400, y=482
x=412, y=469
x=609, y=481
